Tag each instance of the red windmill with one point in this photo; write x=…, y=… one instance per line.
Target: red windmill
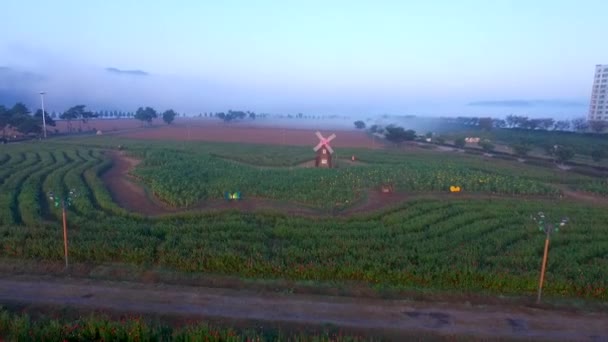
x=324, y=151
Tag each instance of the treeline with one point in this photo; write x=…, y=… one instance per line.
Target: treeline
x=19, y=118
x=525, y=123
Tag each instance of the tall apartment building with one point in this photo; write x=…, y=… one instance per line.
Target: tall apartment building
x=598, y=109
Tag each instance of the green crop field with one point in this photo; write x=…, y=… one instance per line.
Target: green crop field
x=440, y=243
x=22, y=327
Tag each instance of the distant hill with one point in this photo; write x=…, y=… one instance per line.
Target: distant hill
x=127, y=72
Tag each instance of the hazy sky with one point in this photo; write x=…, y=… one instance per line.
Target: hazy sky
x=297, y=56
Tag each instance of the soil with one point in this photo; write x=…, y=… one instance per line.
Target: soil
x=242, y=133
x=124, y=189
x=395, y=318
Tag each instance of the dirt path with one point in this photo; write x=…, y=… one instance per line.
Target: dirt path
x=125, y=191
x=392, y=317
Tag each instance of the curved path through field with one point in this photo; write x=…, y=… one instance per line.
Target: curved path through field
x=394, y=319
x=131, y=195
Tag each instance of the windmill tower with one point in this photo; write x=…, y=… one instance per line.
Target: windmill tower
x=324, y=151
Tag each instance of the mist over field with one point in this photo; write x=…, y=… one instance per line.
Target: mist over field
x=113, y=88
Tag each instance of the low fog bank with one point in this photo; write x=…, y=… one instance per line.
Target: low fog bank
x=112, y=88
x=323, y=123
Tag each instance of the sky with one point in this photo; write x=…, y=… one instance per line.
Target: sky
x=325, y=57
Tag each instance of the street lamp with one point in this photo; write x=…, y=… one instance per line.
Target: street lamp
x=547, y=228
x=64, y=202
x=43, y=113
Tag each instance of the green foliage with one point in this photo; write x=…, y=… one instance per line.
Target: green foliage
x=234, y=115
x=146, y=114
x=486, y=145
x=169, y=116
x=564, y=153
x=359, y=124
x=48, y=120
x=598, y=126
x=460, y=142
x=184, y=179
x=444, y=243
x=521, y=149
x=78, y=112
x=598, y=154
x=21, y=327
x=581, y=143
x=396, y=134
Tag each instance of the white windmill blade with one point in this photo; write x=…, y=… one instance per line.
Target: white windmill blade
x=316, y=148
x=319, y=135
x=331, y=150
x=331, y=137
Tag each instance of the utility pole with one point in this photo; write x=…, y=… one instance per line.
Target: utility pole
x=547, y=228
x=64, y=202
x=43, y=113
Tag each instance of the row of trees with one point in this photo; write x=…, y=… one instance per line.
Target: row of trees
x=148, y=114
x=20, y=119
x=392, y=133
x=523, y=122
x=233, y=115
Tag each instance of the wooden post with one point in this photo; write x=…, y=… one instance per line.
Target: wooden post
x=542, y=270
x=65, y=234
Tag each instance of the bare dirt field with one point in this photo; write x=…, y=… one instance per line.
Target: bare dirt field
x=394, y=318
x=208, y=130
x=105, y=125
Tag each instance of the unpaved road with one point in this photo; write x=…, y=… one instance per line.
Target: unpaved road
x=392, y=316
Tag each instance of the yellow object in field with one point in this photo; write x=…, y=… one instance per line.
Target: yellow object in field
x=454, y=188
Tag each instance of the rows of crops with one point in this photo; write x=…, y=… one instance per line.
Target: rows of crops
x=455, y=245
x=21, y=327
x=185, y=178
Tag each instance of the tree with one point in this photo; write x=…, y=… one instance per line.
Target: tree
x=28, y=124
x=563, y=153
x=521, y=149
x=598, y=154
x=532, y=124
x=580, y=124
x=145, y=114
x=77, y=112
x=252, y=116
x=19, y=109
x=47, y=119
x=359, y=124
x=460, y=142
x=521, y=121
x=5, y=119
x=598, y=126
x=169, y=116
x=399, y=134
x=499, y=123
x=545, y=124
x=561, y=125
x=486, y=145
x=485, y=123
x=20, y=119
x=511, y=120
